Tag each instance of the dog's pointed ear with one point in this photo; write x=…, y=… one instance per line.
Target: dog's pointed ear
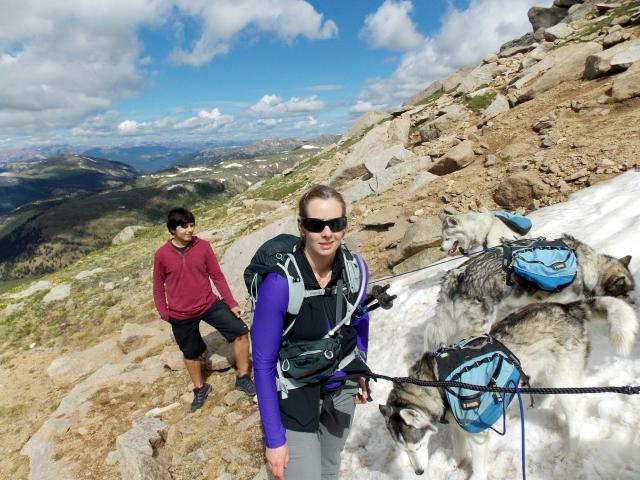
x=385, y=410
x=449, y=221
x=626, y=260
x=414, y=418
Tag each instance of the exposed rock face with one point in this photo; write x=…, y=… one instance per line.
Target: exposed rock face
x=392, y=155
x=381, y=137
x=519, y=190
x=363, y=122
x=264, y=206
x=126, y=235
x=479, y=76
x=69, y=368
x=618, y=57
x=243, y=249
x=447, y=119
x=136, y=447
x=541, y=17
x=33, y=288
x=422, y=234
x=134, y=335
x=433, y=87
x=568, y=64
x=627, y=85
x=88, y=273
x=499, y=105
x=561, y=30
x=358, y=189
x=458, y=157
x=57, y=293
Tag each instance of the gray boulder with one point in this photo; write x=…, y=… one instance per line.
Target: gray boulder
x=453, y=80
x=381, y=137
x=126, y=234
x=136, y=450
x=499, y=105
x=557, y=32
x=477, y=77
x=420, y=235
x=618, y=57
x=419, y=260
x=519, y=190
x=358, y=189
x=568, y=64
x=388, y=157
x=70, y=367
x=57, y=293
x=627, y=85
x=448, y=118
x=541, y=17
x=455, y=159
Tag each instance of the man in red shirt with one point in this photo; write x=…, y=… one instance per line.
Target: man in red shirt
x=183, y=269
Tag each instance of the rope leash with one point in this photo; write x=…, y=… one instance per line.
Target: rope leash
x=625, y=390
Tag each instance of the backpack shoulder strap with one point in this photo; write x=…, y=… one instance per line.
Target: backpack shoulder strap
x=352, y=270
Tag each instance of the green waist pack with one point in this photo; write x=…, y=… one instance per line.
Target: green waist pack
x=311, y=361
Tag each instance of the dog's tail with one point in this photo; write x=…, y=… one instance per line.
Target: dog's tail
x=622, y=320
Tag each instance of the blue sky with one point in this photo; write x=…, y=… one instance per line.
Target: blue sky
x=115, y=72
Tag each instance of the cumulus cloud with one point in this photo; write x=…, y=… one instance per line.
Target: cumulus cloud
x=63, y=64
x=464, y=38
x=205, y=121
x=64, y=60
x=226, y=19
x=273, y=106
x=391, y=27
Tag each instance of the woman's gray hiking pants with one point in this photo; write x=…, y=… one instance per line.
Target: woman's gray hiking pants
x=316, y=456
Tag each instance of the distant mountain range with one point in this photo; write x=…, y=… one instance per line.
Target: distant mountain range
x=55, y=210
x=58, y=177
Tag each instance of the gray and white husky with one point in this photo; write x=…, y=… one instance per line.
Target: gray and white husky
x=472, y=230
x=553, y=346
x=475, y=293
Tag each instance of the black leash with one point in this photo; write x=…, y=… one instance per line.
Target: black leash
x=435, y=264
x=626, y=390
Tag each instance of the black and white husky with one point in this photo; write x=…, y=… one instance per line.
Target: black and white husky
x=475, y=293
x=553, y=346
x=470, y=231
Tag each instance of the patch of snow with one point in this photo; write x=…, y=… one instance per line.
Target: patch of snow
x=233, y=165
x=606, y=216
x=309, y=147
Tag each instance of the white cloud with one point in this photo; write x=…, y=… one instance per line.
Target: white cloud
x=465, y=37
x=63, y=64
x=272, y=106
x=224, y=20
x=391, y=27
x=205, y=121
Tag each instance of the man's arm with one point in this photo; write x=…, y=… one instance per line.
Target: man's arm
x=159, y=294
x=220, y=282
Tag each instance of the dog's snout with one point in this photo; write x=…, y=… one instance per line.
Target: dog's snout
x=419, y=472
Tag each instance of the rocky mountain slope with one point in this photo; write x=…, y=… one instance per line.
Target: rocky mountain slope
x=549, y=114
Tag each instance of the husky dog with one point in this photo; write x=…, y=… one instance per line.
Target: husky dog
x=474, y=294
x=468, y=231
x=553, y=346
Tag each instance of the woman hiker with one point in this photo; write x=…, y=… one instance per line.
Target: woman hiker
x=305, y=427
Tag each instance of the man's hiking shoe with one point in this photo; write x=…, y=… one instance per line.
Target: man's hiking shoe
x=245, y=384
x=199, y=396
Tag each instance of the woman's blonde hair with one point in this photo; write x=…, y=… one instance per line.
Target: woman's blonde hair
x=324, y=192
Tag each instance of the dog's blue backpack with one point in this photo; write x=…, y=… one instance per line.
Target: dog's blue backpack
x=516, y=222
x=482, y=361
x=550, y=264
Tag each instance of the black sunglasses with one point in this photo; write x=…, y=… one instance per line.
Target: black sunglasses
x=315, y=225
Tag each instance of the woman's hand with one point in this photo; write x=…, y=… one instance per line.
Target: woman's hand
x=361, y=398
x=277, y=460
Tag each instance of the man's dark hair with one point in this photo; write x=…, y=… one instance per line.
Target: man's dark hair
x=179, y=217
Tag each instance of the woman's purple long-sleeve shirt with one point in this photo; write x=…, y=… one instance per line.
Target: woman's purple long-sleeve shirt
x=266, y=337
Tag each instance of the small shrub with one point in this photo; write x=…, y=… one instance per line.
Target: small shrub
x=480, y=102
